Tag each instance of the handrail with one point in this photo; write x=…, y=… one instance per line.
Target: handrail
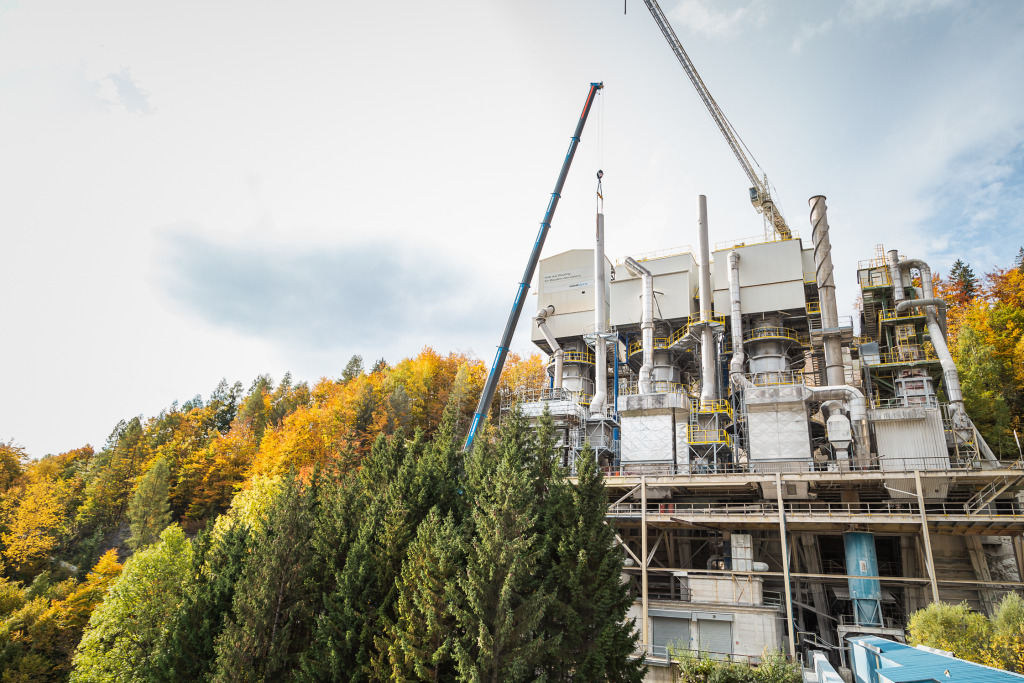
x=759, y=333
x=890, y=466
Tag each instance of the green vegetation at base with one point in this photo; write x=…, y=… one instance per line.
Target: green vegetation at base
x=997, y=641
x=701, y=667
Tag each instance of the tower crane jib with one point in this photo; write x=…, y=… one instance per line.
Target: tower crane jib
x=760, y=196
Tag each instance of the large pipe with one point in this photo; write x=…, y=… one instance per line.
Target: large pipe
x=708, y=390
x=597, y=405
x=542, y=314
x=736, y=376
x=951, y=377
x=834, y=374
x=646, y=324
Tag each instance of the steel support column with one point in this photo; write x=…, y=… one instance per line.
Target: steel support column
x=929, y=561
x=644, y=630
x=785, y=565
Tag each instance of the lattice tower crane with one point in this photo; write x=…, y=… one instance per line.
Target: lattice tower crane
x=760, y=195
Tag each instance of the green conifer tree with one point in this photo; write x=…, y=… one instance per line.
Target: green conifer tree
x=420, y=641
x=269, y=625
x=591, y=600
x=216, y=567
x=150, y=509
x=500, y=601
x=964, y=281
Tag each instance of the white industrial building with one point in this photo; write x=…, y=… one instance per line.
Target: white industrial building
x=761, y=458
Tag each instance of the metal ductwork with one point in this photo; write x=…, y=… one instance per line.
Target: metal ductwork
x=736, y=376
x=541, y=319
x=950, y=375
x=856, y=403
x=597, y=405
x=708, y=390
x=896, y=275
x=646, y=324
x=826, y=292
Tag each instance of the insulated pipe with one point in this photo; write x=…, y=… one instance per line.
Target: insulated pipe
x=646, y=324
x=826, y=292
x=950, y=375
x=896, y=275
x=708, y=390
x=542, y=314
x=600, y=356
x=736, y=376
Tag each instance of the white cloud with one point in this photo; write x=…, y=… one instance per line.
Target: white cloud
x=703, y=17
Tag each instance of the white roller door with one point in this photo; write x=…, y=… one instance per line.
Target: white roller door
x=715, y=636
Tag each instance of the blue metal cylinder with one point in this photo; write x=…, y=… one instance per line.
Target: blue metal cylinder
x=866, y=594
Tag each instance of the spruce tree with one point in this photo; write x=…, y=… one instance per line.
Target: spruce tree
x=216, y=567
x=964, y=281
x=500, y=601
x=1018, y=261
x=591, y=600
x=269, y=625
x=150, y=508
x=420, y=641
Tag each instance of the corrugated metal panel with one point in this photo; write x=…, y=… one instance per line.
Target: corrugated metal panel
x=910, y=438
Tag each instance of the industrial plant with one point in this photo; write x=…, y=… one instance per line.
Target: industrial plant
x=779, y=476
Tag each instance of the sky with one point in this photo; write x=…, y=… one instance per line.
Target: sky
x=192, y=191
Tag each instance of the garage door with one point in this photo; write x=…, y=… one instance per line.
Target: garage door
x=715, y=636
x=669, y=631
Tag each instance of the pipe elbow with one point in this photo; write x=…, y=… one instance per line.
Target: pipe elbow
x=635, y=268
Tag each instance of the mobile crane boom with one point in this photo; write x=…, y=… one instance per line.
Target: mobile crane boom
x=487, y=395
x=760, y=196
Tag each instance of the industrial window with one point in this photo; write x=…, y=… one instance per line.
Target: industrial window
x=667, y=631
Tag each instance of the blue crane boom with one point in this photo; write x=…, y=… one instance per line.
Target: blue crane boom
x=487, y=395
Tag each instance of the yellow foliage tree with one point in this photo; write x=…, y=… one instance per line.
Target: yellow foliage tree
x=34, y=526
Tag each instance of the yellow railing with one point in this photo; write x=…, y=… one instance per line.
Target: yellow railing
x=576, y=357
x=813, y=308
x=698, y=435
x=903, y=357
x=715, y=406
x=774, y=333
x=661, y=253
x=776, y=379
x=756, y=239
x=905, y=315
x=810, y=278
x=875, y=277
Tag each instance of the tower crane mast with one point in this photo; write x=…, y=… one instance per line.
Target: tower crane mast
x=760, y=195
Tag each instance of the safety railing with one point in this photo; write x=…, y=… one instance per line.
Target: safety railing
x=875, y=276
x=810, y=278
x=755, y=239
x=711, y=406
x=776, y=379
x=908, y=314
x=820, y=511
x=660, y=253
x=702, y=436
x=887, y=622
x=813, y=307
x=905, y=402
x=665, y=654
x=901, y=356
x=576, y=357
x=892, y=466
x=770, y=333
x=660, y=387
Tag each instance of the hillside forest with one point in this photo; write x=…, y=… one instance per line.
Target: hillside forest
x=337, y=532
